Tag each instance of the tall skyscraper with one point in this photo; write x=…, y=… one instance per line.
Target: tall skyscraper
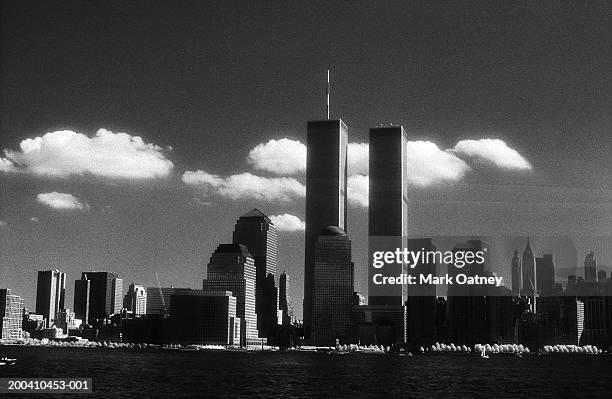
x=257, y=232
x=136, y=300
x=102, y=290
x=590, y=267
x=529, y=271
x=11, y=315
x=388, y=209
x=284, y=300
x=517, y=274
x=82, y=290
x=117, y=295
x=231, y=268
x=325, y=193
x=50, y=294
x=333, y=288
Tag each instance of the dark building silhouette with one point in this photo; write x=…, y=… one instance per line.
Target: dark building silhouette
x=327, y=143
x=158, y=299
x=466, y=304
x=601, y=276
x=257, y=232
x=50, y=294
x=102, y=290
x=590, y=267
x=82, y=290
x=517, y=274
x=529, y=271
x=421, y=300
x=204, y=318
x=545, y=274
x=333, y=287
x=388, y=209
x=231, y=268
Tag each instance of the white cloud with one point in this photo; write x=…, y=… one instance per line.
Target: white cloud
x=281, y=157
x=428, y=164
x=357, y=188
x=61, y=201
x=287, y=222
x=247, y=186
x=494, y=151
x=107, y=154
x=6, y=165
x=358, y=155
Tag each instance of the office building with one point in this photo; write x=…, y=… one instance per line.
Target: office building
x=333, y=288
x=545, y=274
x=529, y=271
x=326, y=165
x=388, y=209
x=82, y=289
x=204, y=318
x=284, y=300
x=590, y=267
x=117, y=295
x=158, y=299
x=96, y=299
x=50, y=294
x=517, y=274
x=135, y=300
x=257, y=232
x=231, y=268
x=11, y=315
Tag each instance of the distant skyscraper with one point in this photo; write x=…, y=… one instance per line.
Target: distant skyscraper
x=601, y=276
x=545, y=274
x=517, y=274
x=102, y=291
x=325, y=193
x=284, y=301
x=590, y=267
x=388, y=209
x=231, y=268
x=11, y=315
x=333, y=287
x=136, y=299
x=50, y=294
x=529, y=270
x=117, y=295
x=257, y=232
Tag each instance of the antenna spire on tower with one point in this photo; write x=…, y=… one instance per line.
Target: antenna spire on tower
x=327, y=88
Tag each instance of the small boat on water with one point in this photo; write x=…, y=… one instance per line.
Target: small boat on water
x=5, y=361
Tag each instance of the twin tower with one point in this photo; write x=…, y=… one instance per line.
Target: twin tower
x=326, y=200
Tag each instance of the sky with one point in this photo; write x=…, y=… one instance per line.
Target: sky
x=134, y=134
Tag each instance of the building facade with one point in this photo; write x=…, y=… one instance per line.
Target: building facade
x=326, y=164
x=231, y=268
x=50, y=294
x=333, y=287
x=11, y=315
x=387, y=209
x=135, y=300
x=257, y=232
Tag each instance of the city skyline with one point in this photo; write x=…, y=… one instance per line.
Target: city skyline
x=456, y=81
